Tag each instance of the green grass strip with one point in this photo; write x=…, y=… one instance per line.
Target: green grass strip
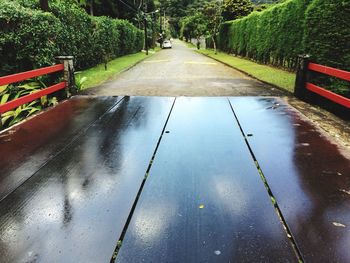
x=274, y=76
x=97, y=75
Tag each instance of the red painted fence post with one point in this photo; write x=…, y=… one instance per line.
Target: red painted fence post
x=67, y=61
x=301, y=79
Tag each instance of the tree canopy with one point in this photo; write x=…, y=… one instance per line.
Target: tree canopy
x=233, y=9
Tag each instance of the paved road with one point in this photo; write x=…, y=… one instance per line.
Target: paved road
x=182, y=72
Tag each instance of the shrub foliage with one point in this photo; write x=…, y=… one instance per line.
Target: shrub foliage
x=30, y=38
x=277, y=35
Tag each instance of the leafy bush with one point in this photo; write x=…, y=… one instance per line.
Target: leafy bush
x=30, y=38
x=10, y=92
x=131, y=39
x=27, y=38
x=76, y=38
x=327, y=33
x=106, y=39
x=326, y=39
x=277, y=35
x=273, y=36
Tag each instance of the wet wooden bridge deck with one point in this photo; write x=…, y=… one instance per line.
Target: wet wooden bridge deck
x=242, y=179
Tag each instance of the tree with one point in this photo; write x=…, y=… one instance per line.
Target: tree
x=175, y=11
x=44, y=5
x=122, y=9
x=233, y=9
x=212, y=13
x=194, y=26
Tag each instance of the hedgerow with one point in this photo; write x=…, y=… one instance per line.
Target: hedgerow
x=327, y=32
x=30, y=38
x=279, y=34
x=273, y=36
x=27, y=38
x=327, y=40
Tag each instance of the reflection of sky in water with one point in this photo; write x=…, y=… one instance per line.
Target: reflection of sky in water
x=150, y=222
x=256, y=118
x=235, y=194
x=203, y=194
x=301, y=167
x=231, y=194
x=82, y=198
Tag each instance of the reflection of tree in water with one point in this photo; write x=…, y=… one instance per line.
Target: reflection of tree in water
x=101, y=147
x=68, y=215
x=128, y=117
x=72, y=177
x=322, y=172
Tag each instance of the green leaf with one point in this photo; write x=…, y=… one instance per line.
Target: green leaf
x=5, y=119
x=3, y=88
x=30, y=86
x=32, y=111
x=4, y=98
x=43, y=100
x=53, y=101
x=8, y=113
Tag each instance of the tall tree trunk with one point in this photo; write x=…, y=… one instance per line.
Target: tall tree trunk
x=44, y=5
x=214, y=43
x=92, y=7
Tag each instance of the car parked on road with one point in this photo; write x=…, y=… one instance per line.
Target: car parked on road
x=167, y=44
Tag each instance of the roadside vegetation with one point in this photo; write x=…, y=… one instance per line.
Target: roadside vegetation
x=31, y=38
x=10, y=92
x=106, y=36
x=95, y=76
x=272, y=75
x=33, y=33
x=275, y=34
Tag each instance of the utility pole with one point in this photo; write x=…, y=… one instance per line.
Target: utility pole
x=145, y=24
x=44, y=5
x=164, y=21
x=160, y=22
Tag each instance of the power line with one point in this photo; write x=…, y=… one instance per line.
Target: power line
x=130, y=6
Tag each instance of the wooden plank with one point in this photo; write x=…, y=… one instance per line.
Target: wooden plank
x=75, y=207
x=342, y=74
x=307, y=173
x=28, y=146
x=329, y=95
x=31, y=97
x=30, y=74
x=204, y=200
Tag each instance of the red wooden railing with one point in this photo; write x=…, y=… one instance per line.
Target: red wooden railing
x=36, y=95
x=344, y=75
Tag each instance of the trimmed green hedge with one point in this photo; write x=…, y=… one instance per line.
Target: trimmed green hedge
x=327, y=32
x=273, y=36
x=131, y=38
x=327, y=40
x=30, y=38
x=27, y=38
x=277, y=35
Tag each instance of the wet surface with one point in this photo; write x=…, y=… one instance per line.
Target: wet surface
x=75, y=207
x=181, y=71
x=308, y=174
x=75, y=170
x=204, y=200
x=29, y=145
